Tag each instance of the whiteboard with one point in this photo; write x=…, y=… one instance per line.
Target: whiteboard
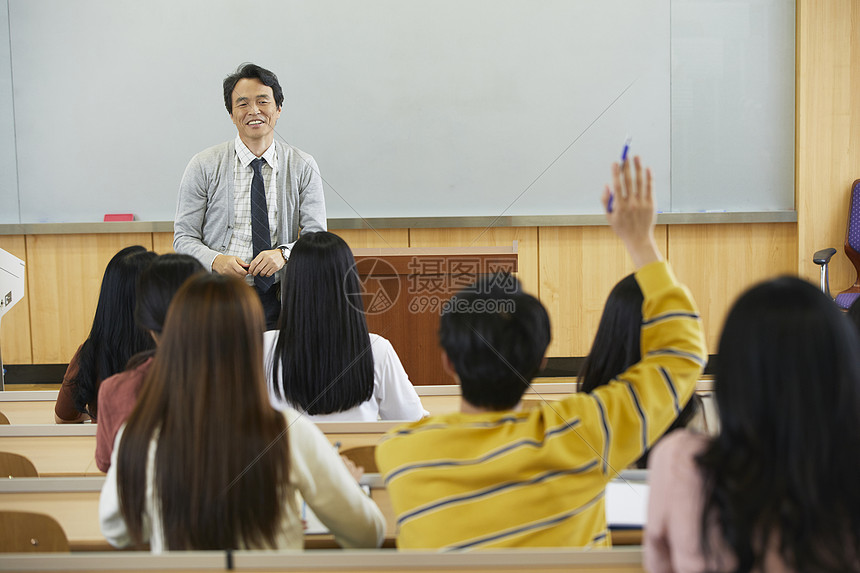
x=8, y=170
x=411, y=109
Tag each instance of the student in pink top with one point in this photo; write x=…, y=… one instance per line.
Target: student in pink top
x=777, y=489
x=118, y=394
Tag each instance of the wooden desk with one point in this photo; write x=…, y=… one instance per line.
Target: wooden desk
x=55, y=450
x=28, y=407
x=74, y=501
x=37, y=407
x=68, y=450
x=623, y=560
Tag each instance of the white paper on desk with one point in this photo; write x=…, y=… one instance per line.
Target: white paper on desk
x=313, y=525
x=626, y=503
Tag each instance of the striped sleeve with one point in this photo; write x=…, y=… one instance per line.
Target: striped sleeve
x=641, y=403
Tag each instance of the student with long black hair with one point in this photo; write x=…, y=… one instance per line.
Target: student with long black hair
x=323, y=360
x=118, y=394
x=617, y=347
x=114, y=338
x=776, y=490
x=205, y=462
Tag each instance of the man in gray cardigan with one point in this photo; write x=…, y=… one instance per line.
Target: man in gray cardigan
x=213, y=211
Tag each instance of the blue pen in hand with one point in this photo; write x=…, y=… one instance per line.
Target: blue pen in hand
x=621, y=168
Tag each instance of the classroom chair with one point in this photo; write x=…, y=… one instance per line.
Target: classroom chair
x=25, y=532
x=852, y=250
x=4, y=421
x=16, y=466
x=364, y=456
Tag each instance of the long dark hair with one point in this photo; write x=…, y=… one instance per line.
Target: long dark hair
x=114, y=336
x=617, y=342
x=617, y=346
x=323, y=349
x=784, y=467
x=222, y=458
x=157, y=285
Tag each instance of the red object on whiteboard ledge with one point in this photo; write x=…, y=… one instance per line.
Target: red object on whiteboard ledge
x=112, y=217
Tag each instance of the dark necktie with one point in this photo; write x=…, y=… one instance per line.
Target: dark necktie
x=261, y=238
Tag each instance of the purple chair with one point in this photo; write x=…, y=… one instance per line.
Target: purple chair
x=852, y=249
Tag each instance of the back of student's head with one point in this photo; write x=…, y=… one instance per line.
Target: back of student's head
x=222, y=459
x=617, y=342
x=157, y=285
x=495, y=337
x=787, y=386
x=114, y=336
x=323, y=350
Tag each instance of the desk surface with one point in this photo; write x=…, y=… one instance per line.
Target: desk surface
x=37, y=406
x=73, y=502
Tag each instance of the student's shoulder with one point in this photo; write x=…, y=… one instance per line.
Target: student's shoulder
x=678, y=451
x=379, y=345
x=270, y=337
x=129, y=380
x=430, y=425
x=413, y=441
x=574, y=406
x=301, y=431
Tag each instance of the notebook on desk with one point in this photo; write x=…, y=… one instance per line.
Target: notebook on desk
x=626, y=503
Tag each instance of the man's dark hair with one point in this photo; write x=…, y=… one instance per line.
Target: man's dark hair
x=495, y=336
x=252, y=71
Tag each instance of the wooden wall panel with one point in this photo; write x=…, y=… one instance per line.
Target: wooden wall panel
x=65, y=274
x=718, y=262
x=374, y=238
x=359, y=238
x=578, y=268
x=527, y=246
x=162, y=243
x=15, y=344
x=828, y=130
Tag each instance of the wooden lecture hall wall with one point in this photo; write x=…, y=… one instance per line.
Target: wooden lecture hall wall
x=571, y=269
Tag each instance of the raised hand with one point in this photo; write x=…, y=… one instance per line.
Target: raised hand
x=634, y=213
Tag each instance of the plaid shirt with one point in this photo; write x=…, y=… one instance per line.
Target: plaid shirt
x=241, y=242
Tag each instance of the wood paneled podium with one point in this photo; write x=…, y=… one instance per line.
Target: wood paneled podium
x=404, y=291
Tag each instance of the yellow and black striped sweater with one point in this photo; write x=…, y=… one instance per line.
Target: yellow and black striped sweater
x=537, y=478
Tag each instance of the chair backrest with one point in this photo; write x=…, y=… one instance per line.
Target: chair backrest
x=852, y=233
x=4, y=421
x=364, y=456
x=16, y=466
x=25, y=532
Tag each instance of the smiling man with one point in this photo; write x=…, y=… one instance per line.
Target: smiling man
x=242, y=203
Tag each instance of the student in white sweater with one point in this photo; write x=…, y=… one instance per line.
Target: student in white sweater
x=322, y=360
x=204, y=461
